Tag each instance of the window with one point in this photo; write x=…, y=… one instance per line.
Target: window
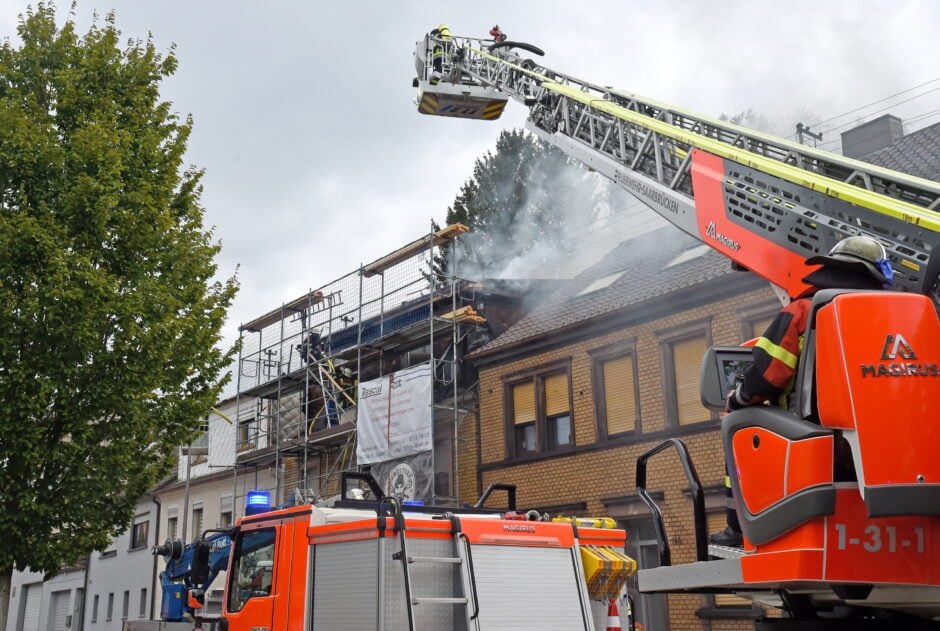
x=540, y=418
x=110, y=606
x=198, y=449
x=172, y=522
x=650, y=609
x=226, y=513
x=523, y=405
x=125, y=605
x=756, y=318
x=615, y=395
x=142, y=610
x=246, y=434
x=759, y=325
x=140, y=531
x=252, y=567
x=683, y=357
x=94, y=608
x=197, y=520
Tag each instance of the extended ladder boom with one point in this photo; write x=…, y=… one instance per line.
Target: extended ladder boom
x=766, y=203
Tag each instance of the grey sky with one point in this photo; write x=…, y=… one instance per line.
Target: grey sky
x=317, y=160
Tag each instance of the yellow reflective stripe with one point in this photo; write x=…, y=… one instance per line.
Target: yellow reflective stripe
x=728, y=481
x=777, y=352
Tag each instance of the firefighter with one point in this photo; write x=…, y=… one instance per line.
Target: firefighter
x=858, y=262
x=442, y=35
x=497, y=34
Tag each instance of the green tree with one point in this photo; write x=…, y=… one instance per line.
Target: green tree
x=109, y=314
x=523, y=203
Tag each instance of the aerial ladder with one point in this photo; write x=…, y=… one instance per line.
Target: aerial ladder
x=766, y=203
x=828, y=549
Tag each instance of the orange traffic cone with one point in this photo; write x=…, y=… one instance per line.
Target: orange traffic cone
x=613, y=616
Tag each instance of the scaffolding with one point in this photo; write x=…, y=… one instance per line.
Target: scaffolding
x=300, y=364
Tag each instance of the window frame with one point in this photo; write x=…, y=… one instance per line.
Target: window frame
x=537, y=376
x=141, y=523
x=751, y=315
x=247, y=437
x=600, y=357
x=667, y=342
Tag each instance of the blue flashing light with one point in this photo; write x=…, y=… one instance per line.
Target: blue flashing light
x=257, y=502
x=412, y=503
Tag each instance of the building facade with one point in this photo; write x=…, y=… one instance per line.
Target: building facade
x=603, y=371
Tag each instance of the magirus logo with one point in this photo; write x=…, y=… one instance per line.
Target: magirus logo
x=895, y=348
x=711, y=231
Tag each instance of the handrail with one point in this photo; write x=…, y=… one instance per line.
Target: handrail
x=698, y=501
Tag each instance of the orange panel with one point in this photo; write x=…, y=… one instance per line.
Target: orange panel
x=760, y=468
x=792, y=565
x=507, y=532
x=810, y=463
x=880, y=550
x=878, y=363
x=762, y=256
x=602, y=537
x=808, y=536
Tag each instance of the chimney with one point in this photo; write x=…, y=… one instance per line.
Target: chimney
x=871, y=136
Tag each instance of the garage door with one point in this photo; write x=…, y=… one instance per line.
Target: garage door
x=32, y=608
x=59, y=611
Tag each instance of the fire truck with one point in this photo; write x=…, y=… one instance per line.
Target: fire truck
x=365, y=561
x=830, y=550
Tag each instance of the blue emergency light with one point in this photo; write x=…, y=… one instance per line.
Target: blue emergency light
x=257, y=502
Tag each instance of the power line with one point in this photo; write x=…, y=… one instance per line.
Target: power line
x=881, y=100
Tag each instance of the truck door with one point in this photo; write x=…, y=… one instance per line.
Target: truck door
x=250, y=598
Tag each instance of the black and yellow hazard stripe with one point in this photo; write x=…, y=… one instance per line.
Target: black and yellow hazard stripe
x=429, y=104
x=494, y=110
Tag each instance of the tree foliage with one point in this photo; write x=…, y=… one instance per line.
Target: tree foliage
x=109, y=314
x=523, y=203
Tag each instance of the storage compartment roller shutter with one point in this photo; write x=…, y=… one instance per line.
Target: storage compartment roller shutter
x=527, y=588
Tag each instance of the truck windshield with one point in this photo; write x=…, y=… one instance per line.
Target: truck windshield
x=252, y=567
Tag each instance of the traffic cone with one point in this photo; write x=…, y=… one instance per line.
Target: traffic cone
x=613, y=616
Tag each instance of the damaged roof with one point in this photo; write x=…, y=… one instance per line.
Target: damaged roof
x=917, y=154
x=634, y=273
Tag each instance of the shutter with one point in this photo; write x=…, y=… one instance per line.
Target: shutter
x=523, y=403
x=556, y=394
x=32, y=608
x=60, y=610
x=716, y=522
x=687, y=362
x=619, y=395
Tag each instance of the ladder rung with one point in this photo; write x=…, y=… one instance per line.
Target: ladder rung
x=438, y=601
x=454, y=560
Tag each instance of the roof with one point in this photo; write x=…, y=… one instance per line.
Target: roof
x=917, y=154
x=633, y=273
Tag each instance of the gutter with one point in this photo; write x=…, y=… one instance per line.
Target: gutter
x=153, y=574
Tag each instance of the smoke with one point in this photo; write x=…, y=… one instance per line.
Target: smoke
x=548, y=217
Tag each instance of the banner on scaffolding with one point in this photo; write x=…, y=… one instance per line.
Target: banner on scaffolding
x=406, y=478
x=395, y=415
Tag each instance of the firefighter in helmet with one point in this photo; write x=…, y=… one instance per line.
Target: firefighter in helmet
x=857, y=262
x=442, y=42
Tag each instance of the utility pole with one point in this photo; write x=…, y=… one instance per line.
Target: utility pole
x=802, y=130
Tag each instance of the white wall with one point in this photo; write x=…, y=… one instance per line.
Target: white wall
x=123, y=569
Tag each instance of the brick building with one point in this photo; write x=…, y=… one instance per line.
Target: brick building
x=601, y=372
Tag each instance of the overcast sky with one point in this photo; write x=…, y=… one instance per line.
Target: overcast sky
x=316, y=158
